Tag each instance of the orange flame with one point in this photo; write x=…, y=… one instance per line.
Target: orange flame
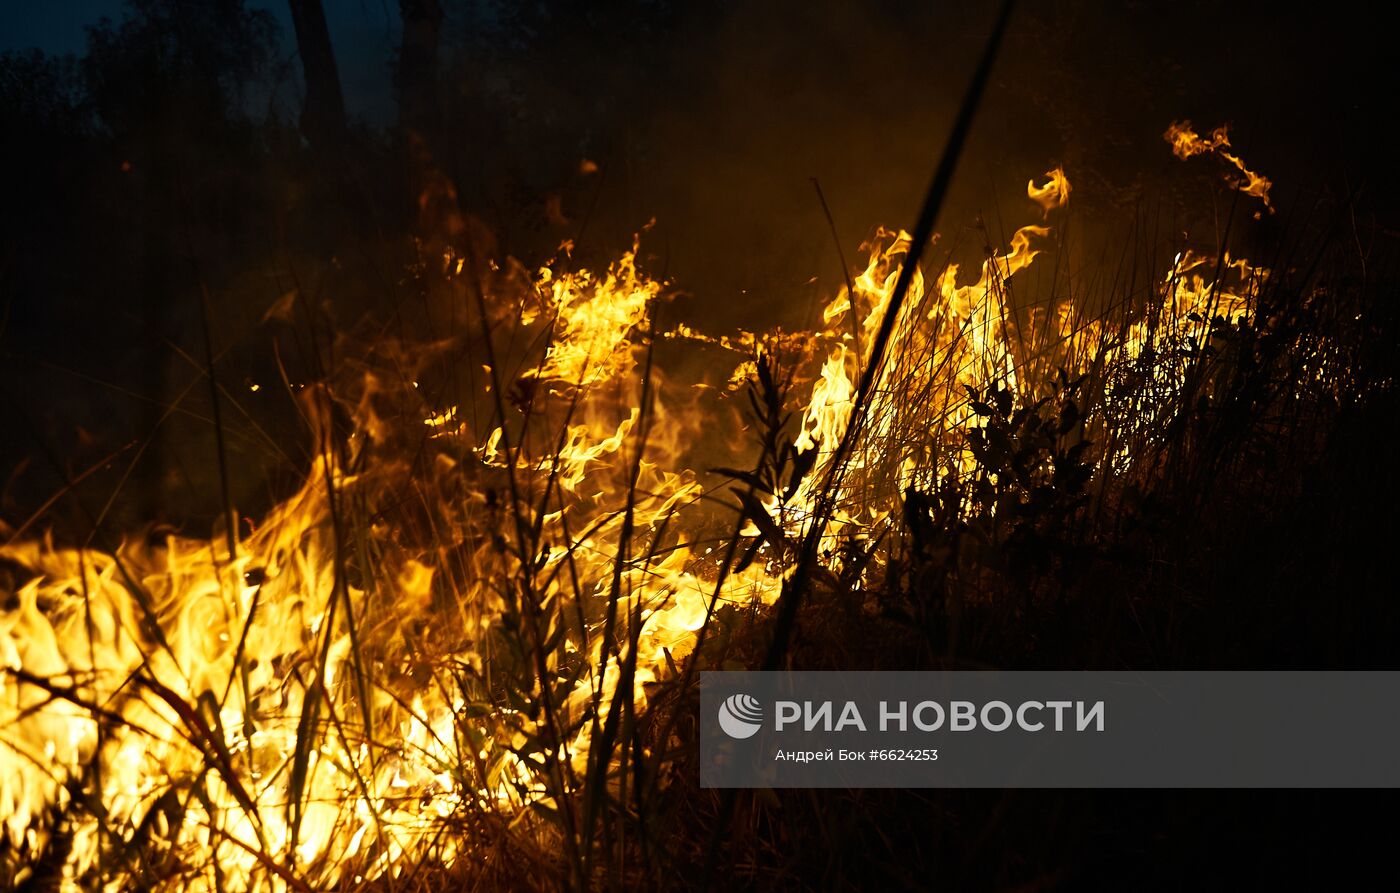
x=1186, y=143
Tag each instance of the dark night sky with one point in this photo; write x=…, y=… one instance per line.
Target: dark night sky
x=364, y=33
x=52, y=27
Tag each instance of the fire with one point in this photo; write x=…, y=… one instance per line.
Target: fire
x=947, y=336
x=596, y=320
x=1054, y=194
x=276, y=707
x=1186, y=143
x=308, y=704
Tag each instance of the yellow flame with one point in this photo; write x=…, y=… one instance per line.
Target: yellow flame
x=1186, y=143
x=1054, y=194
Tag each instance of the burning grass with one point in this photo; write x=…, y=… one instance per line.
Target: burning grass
x=466, y=647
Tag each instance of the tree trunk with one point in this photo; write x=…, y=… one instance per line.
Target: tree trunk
x=439, y=218
x=418, y=68
x=323, y=115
